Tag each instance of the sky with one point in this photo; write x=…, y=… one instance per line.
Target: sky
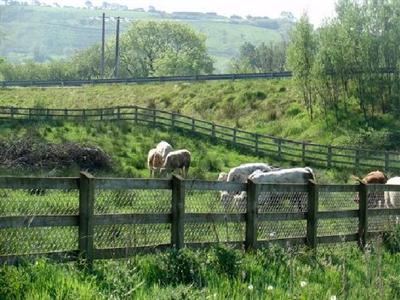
x=317, y=10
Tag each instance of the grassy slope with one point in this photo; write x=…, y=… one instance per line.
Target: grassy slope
x=215, y=274
x=36, y=27
x=263, y=106
x=128, y=145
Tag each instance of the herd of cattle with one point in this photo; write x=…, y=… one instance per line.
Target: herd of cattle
x=163, y=160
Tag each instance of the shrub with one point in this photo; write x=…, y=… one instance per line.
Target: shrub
x=174, y=268
x=391, y=240
x=225, y=261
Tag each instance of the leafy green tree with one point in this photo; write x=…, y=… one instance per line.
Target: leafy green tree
x=301, y=56
x=163, y=48
x=263, y=58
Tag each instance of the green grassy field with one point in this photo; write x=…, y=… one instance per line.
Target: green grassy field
x=263, y=106
x=128, y=145
x=341, y=272
x=47, y=33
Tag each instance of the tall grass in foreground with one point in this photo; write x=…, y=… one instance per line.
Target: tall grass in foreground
x=338, y=272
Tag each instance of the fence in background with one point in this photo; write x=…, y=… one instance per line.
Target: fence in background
x=259, y=144
x=91, y=218
x=49, y=83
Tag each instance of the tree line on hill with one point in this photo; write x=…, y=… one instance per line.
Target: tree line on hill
x=353, y=60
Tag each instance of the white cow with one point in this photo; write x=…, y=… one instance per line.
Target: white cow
x=164, y=148
x=392, y=199
x=242, y=172
x=284, y=176
x=154, y=161
x=239, y=174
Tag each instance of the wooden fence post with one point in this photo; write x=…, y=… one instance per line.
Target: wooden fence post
x=12, y=112
x=362, y=215
x=251, y=215
x=312, y=215
x=193, y=125
x=119, y=113
x=329, y=157
x=357, y=159
x=86, y=211
x=177, y=212
x=303, y=152
x=387, y=161
x=173, y=120
x=234, y=135
x=279, y=149
x=136, y=115
x=256, y=142
x=213, y=130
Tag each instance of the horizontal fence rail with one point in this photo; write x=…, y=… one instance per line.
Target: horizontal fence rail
x=280, y=149
x=89, y=218
x=49, y=83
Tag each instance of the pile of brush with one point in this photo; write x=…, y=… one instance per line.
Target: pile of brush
x=34, y=153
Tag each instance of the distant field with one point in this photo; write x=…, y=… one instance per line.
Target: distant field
x=44, y=33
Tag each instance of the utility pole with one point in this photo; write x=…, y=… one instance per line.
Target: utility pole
x=117, y=51
x=103, y=39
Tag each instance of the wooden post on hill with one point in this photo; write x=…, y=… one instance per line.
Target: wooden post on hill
x=177, y=212
x=136, y=115
x=86, y=211
x=256, y=142
x=279, y=149
x=329, y=157
x=357, y=159
x=387, y=161
x=312, y=215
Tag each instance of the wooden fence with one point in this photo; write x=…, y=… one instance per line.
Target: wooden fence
x=322, y=203
x=326, y=156
x=49, y=83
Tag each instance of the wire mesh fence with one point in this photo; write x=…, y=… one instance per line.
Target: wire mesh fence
x=31, y=203
x=39, y=201
x=131, y=201
x=140, y=213
x=209, y=202
x=270, y=203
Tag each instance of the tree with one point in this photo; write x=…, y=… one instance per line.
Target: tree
x=300, y=59
x=263, y=58
x=163, y=48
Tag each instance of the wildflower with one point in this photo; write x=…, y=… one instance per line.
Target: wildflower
x=250, y=287
x=270, y=288
x=333, y=297
x=303, y=283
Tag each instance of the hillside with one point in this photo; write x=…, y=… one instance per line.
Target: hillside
x=262, y=106
x=44, y=33
x=127, y=146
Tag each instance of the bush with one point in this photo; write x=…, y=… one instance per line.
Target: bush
x=225, y=261
x=391, y=240
x=174, y=268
